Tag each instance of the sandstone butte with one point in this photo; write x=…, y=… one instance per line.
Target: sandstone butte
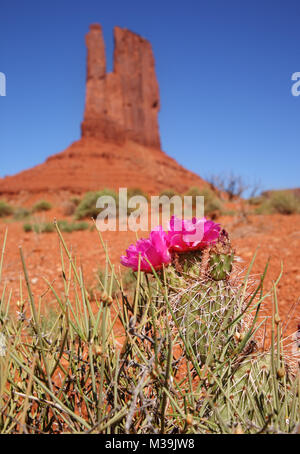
x=120, y=141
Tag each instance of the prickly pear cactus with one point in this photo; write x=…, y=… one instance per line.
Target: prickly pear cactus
x=221, y=256
x=205, y=297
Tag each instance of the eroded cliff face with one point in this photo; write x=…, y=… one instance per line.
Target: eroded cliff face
x=123, y=104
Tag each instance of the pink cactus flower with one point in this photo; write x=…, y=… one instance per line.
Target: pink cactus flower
x=188, y=235
x=155, y=249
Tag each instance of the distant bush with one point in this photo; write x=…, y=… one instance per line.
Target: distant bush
x=69, y=227
x=68, y=208
x=5, y=209
x=169, y=193
x=255, y=200
x=42, y=205
x=136, y=191
x=231, y=184
x=87, y=206
x=282, y=202
x=76, y=200
x=48, y=227
x=21, y=213
x=212, y=204
x=42, y=227
x=27, y=227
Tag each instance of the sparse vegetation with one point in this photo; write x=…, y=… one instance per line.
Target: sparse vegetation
x=69, y=227
x=282, y=202
x=169, y=193
x=230, y=184
x=255, y=201
x=87, y=206
x=39, y=227
x=21, y=213
x=146, y=363
x=5, y=209
x=137, y=191
x=48, y=227
x=41, y=205
x=212, y=204
x=69, y=206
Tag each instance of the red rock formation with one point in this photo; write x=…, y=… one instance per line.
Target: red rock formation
x=120, y=146
x=123, y=104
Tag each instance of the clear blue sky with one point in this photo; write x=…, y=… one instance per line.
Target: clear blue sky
x=224, y=70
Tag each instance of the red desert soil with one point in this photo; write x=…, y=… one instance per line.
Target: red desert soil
x=277, y=237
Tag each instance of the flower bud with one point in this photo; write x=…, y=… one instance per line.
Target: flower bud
x=277, y=319
x=189, y=419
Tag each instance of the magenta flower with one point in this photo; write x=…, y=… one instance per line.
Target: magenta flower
x=188, y=235
x=155, y=249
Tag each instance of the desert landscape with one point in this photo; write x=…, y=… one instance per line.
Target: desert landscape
x=48, y=213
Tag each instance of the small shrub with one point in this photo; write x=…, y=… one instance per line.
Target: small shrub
x=27, y=228
x=42, y=205
x=76, y=200
x=87, y=206
x=5, y=209
x=264, y=208
x=255, y=201
x=47, y=227
x=212, y=204
x=69, y=227
x=284, y=202
x=43, y=227
x=136, y=191
x=168, y=192
x=21, y=213
x=231, y=184
x=68, y=208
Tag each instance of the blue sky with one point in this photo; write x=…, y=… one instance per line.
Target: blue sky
x=224, y=70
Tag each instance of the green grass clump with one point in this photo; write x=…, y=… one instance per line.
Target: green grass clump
x=179, y=355
x=87, y=207
x=41, y=205
x=5, y=209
